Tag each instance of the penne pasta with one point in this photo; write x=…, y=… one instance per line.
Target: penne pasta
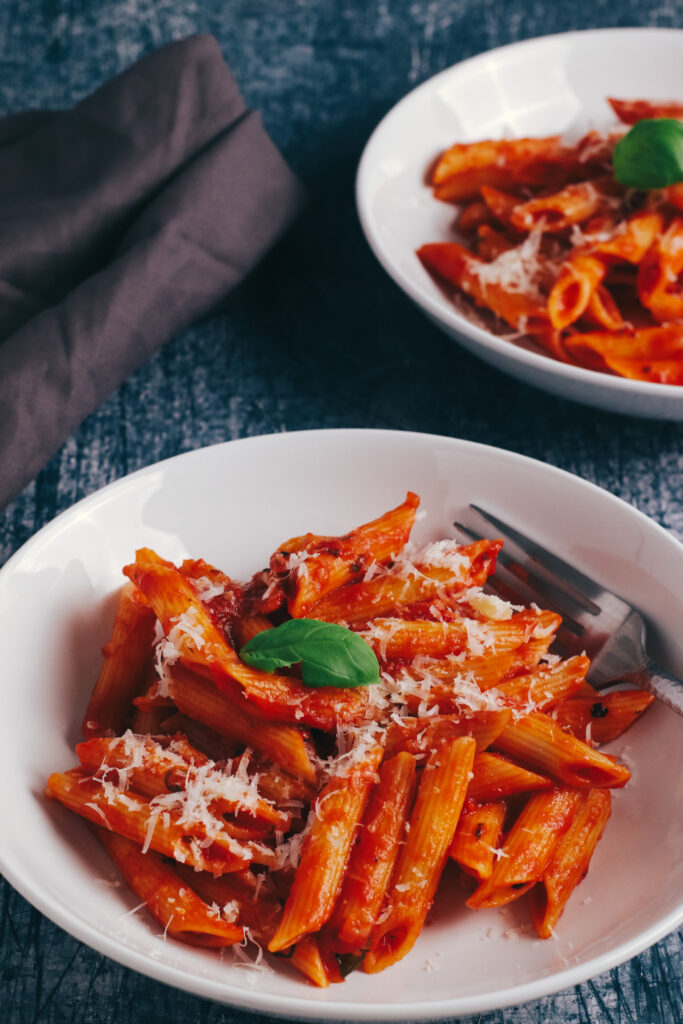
x=148, y=826
x=127, y=660
x=572, y=205
x=582, y=268
x=415, y=584
x=199, y=645
x=569, y=862
x=602, y=718
x=439, y=800
x=542, y=687
x=158, y=769
x=528, y=847
x=314, y=819
x=539, y=742
x=418, y=736
x=374, y=854
x=323, y=564
x=459, y=267
x=336, y=813
x=463, y=169
x=493, y=777
x=180, y=912
x=201, y=701
x=630, y=111
x=477, y=838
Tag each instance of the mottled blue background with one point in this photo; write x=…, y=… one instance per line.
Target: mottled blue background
x=318, y=337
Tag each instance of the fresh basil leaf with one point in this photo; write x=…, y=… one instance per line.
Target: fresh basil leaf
x=650, y=155
x=330, y=655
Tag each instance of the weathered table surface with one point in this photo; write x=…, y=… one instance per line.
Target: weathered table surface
x=319, y=337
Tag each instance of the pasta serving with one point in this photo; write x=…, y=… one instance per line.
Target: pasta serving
x=561, y=252
x=296, y=760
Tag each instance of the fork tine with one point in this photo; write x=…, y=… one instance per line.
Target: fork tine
x=582, y=589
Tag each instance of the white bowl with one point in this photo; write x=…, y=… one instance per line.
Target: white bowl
x=547, y=86
x=234, y=503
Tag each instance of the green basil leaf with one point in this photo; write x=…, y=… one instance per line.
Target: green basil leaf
x=650, y=155
x=330, y=655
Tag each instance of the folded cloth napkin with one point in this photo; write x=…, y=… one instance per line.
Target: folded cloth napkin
x=121, y=222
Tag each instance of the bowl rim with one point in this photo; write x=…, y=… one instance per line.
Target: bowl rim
x=438, y=308
x=302, y=1007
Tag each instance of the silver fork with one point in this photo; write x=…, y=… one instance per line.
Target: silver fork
x=594, y=620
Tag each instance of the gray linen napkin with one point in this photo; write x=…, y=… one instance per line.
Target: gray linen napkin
x=122, y=221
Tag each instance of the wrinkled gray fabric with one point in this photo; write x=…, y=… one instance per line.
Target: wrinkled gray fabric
x=121, y=222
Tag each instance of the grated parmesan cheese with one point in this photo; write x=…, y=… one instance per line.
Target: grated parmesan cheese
x=518, y=269
x=444, y=554
x=207, y=589
x=489, y=605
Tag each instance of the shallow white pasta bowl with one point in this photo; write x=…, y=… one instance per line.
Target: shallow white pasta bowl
x=233, y=504
x=553, y=85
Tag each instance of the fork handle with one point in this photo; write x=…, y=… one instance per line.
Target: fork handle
x=665, y=687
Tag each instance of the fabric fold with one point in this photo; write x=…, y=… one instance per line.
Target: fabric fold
x=172, y=194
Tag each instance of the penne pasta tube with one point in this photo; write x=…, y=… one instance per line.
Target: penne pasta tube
x=422, y=858
x=578, y=280
x=199, y=699
x=336, y=812
x=466, y=167
x=324, y=564
x=149, y=827
x=528, y=847
x=405, y=639
x=646, y=353
x=574, y=204
x=308, y=960
x=419, y=736
x=630, y=111
x=602, y=718
x=602, y=310
x=570, y=860
x=178, y=909
x=151, y=769
x=545, y=686
x=539, y=742
x=419, y=583
x=477, y=838
x=658, y=275
x=445, y=680
x=461, y=268
x=374, y=854
x=258, y=907
x=494, y=777
x=631, y=240
x=500, y=204
x=127, y=659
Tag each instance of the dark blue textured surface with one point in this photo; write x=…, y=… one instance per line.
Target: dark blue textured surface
x=318, y=337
